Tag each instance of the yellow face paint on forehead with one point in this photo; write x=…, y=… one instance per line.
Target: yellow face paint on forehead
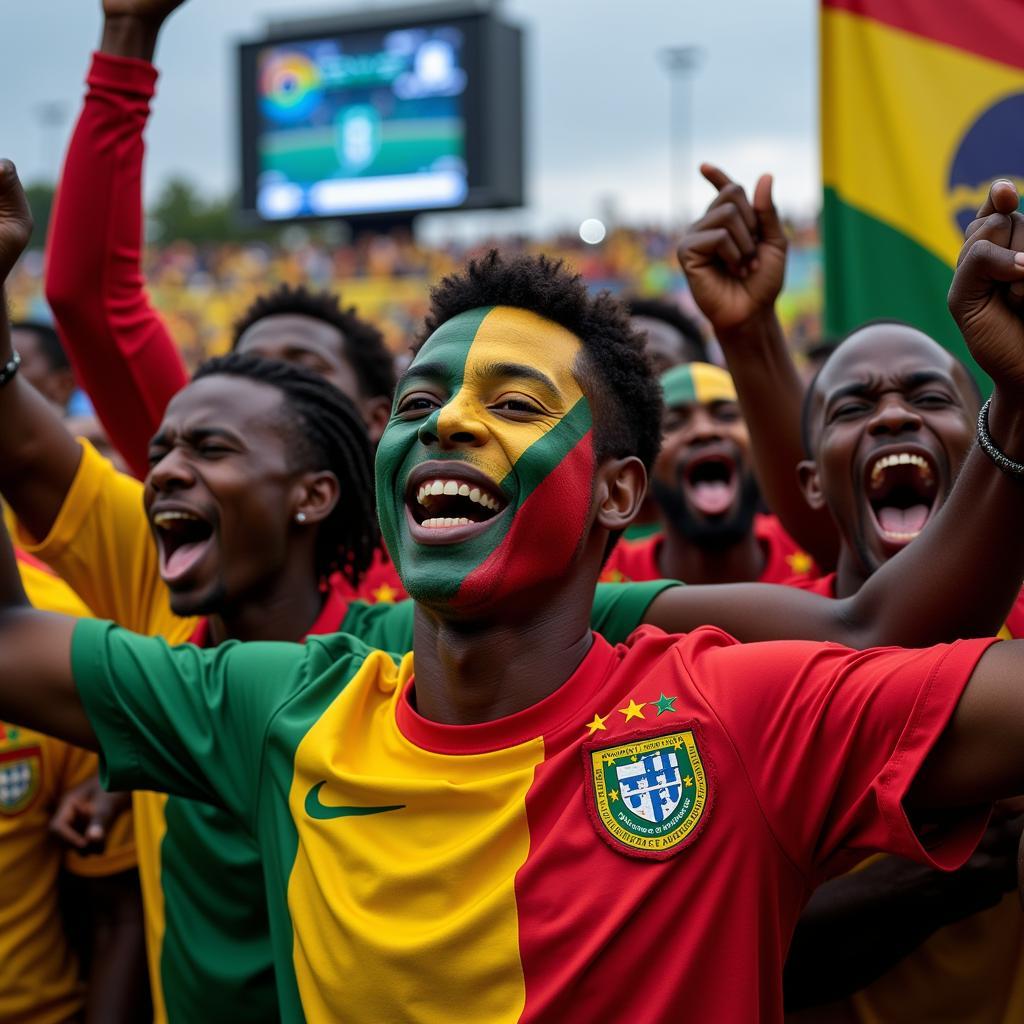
x=507, y=338
x=699, y=383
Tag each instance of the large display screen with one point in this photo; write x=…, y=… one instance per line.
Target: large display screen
x=363, y=122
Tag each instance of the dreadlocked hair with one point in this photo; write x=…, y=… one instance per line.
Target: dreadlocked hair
x=614, y=371
x=363, y=346
x=325, y=433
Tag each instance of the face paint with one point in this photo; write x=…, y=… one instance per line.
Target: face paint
x=699, y=383
x=702, y=479
x=490, y=405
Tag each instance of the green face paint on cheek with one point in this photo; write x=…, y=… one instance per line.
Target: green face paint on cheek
x=543, y=468
x=440, y=364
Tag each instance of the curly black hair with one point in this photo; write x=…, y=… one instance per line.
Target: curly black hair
x=325, y=432
x=615, y=372
x=363, y=347
x=669, y=313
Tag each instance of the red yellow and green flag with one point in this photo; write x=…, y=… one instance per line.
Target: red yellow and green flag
x=922, y=106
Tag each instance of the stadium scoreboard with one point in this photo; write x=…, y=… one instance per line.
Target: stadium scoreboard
x=387, y=113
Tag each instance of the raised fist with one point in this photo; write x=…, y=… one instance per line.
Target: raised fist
x=986, y=297
x=15, y=218
x=734, y=257
x=144, y=10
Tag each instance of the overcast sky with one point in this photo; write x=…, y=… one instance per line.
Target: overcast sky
x=597, y=96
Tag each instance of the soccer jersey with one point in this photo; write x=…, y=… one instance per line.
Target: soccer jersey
x=207, y=934
x=635, y=560
x=638, y=845
x=39, y=982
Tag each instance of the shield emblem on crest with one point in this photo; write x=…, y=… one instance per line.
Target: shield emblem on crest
x=19, y=778
x=648, y=797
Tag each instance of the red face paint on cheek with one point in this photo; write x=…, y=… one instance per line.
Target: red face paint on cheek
x=544, y=536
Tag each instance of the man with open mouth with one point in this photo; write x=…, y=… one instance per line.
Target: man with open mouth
x=704, y=486
x=533, y=819
x=886, y=424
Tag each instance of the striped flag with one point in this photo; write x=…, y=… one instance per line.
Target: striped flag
x=922, y=105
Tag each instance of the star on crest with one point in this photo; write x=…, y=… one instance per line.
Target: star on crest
x=633, y=710
x=664, y=704
x=597, y=723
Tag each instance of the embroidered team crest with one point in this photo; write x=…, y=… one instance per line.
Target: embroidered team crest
x=19, y=778
x=648, y=798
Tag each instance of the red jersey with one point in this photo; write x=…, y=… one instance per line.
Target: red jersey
x=633, y=561
x=636, y=846
x=380, y=583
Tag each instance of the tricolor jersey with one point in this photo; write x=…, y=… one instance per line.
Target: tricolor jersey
x=39, y=981
x=207, y=933
x=972, y=970
x=635, y=560
x=638, y=845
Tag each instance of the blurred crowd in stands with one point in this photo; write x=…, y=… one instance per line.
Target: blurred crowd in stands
x=201, y=289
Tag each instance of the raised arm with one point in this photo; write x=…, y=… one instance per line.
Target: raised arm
x=961, y=576
x=36, y=687
x=38, y=457
x=121, y=350
x=734, y=259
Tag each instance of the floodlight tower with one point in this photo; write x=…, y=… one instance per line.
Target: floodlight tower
x=680, y=62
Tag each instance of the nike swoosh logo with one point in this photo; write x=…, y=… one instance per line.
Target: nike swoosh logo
x=315, y=809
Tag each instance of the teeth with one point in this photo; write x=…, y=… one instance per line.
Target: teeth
x=442, y=521
x=453, y=487
x=166, y=517
x=900, y=459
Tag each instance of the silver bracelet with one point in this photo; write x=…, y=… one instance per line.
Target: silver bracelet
x=992, y=450
x=10, y=369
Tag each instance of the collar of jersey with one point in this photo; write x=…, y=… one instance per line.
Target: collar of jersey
x=330, y=619
x=576, y=694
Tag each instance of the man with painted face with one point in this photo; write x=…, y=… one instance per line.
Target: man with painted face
x=536, y=818
x=707, y=494
x=234, y=558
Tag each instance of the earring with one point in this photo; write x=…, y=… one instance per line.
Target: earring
x=300, y=517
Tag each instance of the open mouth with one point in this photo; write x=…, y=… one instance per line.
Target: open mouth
x=182, y=538
x=902, y=488
x=710, y=484
x=443, y=503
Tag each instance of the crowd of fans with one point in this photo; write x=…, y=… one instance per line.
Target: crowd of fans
x=201, y=290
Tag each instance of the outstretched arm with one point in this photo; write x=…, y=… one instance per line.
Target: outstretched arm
x=961, y=576
x=734, y=259
x=121, y=350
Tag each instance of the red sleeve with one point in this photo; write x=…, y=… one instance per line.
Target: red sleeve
x=831, y=740
x=121, y=351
